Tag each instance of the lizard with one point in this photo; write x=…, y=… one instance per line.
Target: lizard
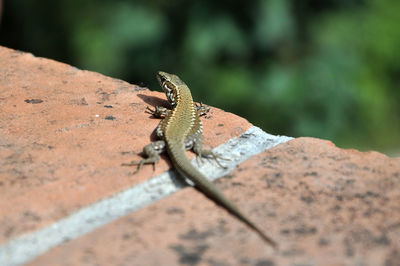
x=180, y=130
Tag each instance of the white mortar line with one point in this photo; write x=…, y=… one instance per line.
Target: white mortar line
x=29, y=246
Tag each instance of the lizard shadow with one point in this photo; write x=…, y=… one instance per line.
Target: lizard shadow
x=154, y=101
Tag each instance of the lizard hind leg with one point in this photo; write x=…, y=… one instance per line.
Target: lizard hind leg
x=151, y=152
x=198, y=149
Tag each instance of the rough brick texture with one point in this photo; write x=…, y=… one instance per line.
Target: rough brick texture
x=65, y=132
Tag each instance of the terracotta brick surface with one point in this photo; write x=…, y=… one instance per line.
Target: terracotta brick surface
x=65, y=132
x=324, y=206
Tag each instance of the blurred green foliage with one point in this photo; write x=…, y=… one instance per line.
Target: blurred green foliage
x=329, y=69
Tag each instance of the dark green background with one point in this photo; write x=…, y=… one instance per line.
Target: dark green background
x=329, y=69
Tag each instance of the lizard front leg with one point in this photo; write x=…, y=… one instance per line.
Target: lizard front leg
x=162, y=112
x=158, y=112
x=202, y=109
x=151, y=152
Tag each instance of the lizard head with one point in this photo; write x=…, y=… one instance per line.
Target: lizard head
x=170, y=84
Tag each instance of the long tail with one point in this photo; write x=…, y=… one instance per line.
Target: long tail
x=186, y=169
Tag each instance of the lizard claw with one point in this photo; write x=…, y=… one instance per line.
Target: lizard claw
x=150, y=111
x=133, y=163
